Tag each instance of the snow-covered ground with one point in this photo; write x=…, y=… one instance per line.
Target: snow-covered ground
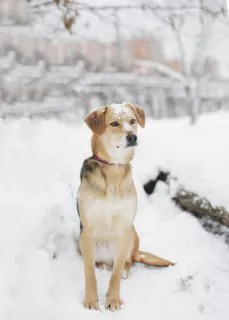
x=40, y=162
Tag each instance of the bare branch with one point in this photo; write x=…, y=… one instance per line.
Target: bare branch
x=45, y=3
x=84, y=6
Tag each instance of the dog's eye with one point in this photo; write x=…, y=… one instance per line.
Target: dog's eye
x=114, y=124
x=132, y=121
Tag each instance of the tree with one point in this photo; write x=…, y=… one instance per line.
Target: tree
x=177, y=16
x=193, y=48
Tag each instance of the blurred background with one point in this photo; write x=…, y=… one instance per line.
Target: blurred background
x=66, y=57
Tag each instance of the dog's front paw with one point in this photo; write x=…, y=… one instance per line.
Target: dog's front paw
x=91, y=303
x=113, y=304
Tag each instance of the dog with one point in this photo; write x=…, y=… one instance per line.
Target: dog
x=107, y=202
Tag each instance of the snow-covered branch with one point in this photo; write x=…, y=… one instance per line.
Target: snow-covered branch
x=74, y=7
x=143, y=6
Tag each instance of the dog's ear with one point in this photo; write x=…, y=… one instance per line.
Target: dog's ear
x=139, y=113
x=96, y=121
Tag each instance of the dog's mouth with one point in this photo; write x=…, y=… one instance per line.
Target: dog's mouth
x=131, y=144
x=131, y=141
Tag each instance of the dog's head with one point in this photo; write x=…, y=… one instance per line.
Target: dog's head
x=116, y=125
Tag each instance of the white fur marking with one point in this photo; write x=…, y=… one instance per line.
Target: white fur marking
x=105, y=251
x=100, y=213
x=108, y=218
x=118, y=155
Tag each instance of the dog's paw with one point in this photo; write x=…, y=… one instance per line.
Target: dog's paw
x=125, y=274
x=102, y=265
x=113, y=304
x=91, y=304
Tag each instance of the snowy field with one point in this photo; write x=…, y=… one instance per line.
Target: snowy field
x=41, y=274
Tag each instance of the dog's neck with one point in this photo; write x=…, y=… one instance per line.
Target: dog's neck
x=111, y=155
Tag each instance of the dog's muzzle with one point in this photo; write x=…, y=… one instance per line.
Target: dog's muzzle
x=131, y=140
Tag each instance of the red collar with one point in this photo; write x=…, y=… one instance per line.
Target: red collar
x=101, y=160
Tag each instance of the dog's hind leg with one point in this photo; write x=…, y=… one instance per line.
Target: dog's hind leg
x=126, y=270
x=134, y=250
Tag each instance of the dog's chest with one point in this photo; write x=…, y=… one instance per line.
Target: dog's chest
x=108, y=215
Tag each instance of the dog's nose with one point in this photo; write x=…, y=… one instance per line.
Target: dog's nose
x=131, y=138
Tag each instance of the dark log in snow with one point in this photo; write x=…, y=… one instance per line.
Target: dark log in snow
x=190, y=201
x=150, y=186
x=201, y=207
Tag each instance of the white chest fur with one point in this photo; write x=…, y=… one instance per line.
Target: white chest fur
x=109, y=216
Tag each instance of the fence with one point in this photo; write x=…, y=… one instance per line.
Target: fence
x=36, y=90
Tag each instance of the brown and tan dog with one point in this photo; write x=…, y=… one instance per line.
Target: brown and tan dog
x=107, y=201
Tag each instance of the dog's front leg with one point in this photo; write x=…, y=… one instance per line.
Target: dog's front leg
x=113, y=301
x=88, y=247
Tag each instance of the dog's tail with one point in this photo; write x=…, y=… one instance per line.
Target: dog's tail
x=151, y=260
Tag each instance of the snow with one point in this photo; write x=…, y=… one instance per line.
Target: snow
x=41, y=274
x=196, y=155
x=119, y=108
x=127, y=127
